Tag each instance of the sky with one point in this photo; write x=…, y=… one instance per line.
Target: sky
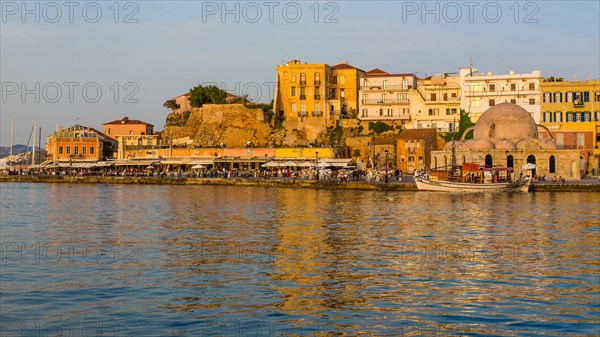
x=91, y=62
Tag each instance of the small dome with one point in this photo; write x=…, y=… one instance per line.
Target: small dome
x=547, y=144
x=505, y=120
x=505, y=144
x=528, y=144
x=475, y=144
x=459, y=145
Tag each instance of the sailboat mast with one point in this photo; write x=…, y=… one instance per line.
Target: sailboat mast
x=12, y=138
x=34, y=144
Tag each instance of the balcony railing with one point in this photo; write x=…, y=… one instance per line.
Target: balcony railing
x=302, y=97
x=316, y=113
x=386, y=101
x=578, y=104
x=386, y=87
x=377, y=117
x=302, y=83
x=302, y=113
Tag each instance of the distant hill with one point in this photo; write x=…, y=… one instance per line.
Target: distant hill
x=18, y=148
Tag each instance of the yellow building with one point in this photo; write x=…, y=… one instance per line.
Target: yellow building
x=311, y=97
x=571, y=111
x=135, y=146
x=435, y=103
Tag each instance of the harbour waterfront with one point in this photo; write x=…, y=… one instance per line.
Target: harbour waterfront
x=168, y=260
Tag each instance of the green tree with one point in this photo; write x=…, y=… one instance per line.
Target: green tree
x=463, y=123
x=201, y=95
x=171, y=104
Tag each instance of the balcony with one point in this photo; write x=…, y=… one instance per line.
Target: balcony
x=577, y=104
x=385, y=88
x=387, y=101
x=382, y=118
x=302, y=97
x=316, y=113
x=302, y=113
x=302, y=83
x=317, y=97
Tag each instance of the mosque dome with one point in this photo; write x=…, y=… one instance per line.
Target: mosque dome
x=475, y=144
x=505, y=144
x=528, y=144
x=459, y=145
x=505, y=120
x=547, y=144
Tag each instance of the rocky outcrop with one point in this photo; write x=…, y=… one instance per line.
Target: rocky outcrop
x=230, y=124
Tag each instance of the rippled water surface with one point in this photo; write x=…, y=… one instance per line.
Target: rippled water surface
x=120, y=260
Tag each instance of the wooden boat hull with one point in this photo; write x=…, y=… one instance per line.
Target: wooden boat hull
x=449, y=186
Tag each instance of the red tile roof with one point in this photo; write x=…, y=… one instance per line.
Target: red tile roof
x=126, y=120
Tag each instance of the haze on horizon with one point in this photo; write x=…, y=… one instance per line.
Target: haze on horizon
x=94, y=62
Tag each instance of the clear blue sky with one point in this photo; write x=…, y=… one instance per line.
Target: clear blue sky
x=165, y=48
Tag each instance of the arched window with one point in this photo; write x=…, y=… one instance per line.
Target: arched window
x=510, y=162
x=488, y=160
x=435, y=162
x=492, y=133
x=531, y=159
x=552, y=164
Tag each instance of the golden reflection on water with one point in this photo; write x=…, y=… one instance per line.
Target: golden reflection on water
x=356, y=261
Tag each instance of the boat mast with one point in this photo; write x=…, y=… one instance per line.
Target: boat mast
x=12, y=136
x=34, y=144
x=453, y=157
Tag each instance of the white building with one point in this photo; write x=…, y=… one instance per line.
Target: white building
x=385, y=96
x=480, y=91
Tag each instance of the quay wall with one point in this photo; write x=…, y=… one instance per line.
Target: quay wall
x=331, y=185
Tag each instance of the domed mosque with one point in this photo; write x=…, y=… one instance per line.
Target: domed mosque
x=506, y=135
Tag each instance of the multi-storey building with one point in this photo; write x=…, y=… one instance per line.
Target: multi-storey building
x=571, y=111
x=435, y=103
x=343, y=90
x=385, y=96
x=127, y=126
x=78, y=143
x=480, y=91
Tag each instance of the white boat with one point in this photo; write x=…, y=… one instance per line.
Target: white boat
x=426, y=183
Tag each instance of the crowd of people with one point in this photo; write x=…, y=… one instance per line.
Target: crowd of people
x=326, y=174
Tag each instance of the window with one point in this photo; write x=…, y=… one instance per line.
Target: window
x=342, y=93
x=433, y=97
x=547, y=97
x=532, y=101
x=83, y=150
x=316, y=107
x=365, y=96
x=580, y=139
x=302, y=92
x=317, y=78
x=380, y=112
x=558, y=116
x=475, y=87
x=560, y=140
x=597, y=96
x=475, y=102
x=513, y=100
x=492, y=102
x=568, y=96
x=76, y=150
x=513, y=86
x=293, y=107
x=68, y=150
x=558, y=97
x=586, y=96
x=552, y=165
x=334, y=79
x=91, y=150
x=488, y=160
x=60, y=150
x=569, y=117
x=587, y=117
x=531, y=86
x=453, y=95
x=364, y=112
x=383, y=98
x=293, y=79
x=404, y=84
x=547, y=116
x=385, y=84
x=302, y=79
x=450, y=111
x=434, y=112
x=293, y=91
x=510, y=161
x=302, y=107
x=366, y=82
x=492, y=87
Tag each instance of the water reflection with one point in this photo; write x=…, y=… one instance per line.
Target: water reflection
x=201, y=260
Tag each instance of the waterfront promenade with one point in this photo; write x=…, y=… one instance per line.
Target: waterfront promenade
x=586, y=185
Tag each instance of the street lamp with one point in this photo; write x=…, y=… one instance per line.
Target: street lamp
x=317, y=163
x=386, y=166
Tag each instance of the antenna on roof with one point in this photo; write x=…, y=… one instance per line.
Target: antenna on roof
x=470, y=66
